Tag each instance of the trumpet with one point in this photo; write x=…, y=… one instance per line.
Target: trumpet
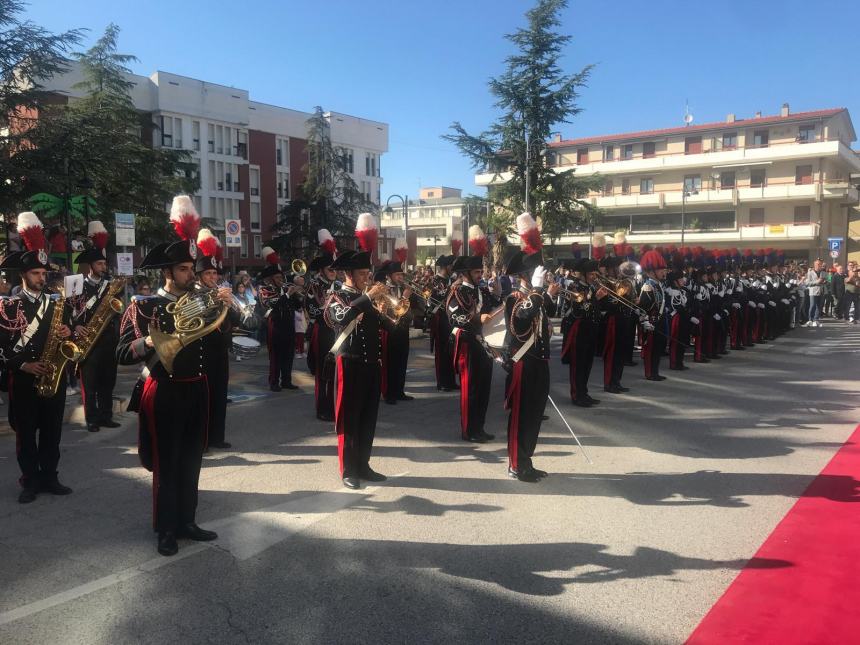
x=389, y=306
x=426, y=293
x=298, y=267
x=572, y=294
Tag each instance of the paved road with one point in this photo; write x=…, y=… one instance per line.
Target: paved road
x=689, y=477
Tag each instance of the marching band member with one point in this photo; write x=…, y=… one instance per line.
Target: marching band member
x=440, y=326
x=615, y=314
x=350, y=312
x=527, y=340
x=322, y=337
x=701, y=318
x=653, y=301
x=396, y=342
x=26, y=322
x=734, y=290
x=98, y=371
x=468, y=308
x=280, y=305
x=174, y=404
x=679, y=318
x=217, y=363
x=580, y=341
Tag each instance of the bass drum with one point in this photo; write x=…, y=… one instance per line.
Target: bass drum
x=244, y=347
x=494, y=329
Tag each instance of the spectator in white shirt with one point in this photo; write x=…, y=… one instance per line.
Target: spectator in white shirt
x=815, y=282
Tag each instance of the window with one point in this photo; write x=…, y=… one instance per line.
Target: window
x=806, y=133
x=692, y=184
x=367, y=164
x=582, y=156
x=758, y=178
x=195, y=135
x=648, y=150
x=803, y=175
x=258, y=246
x=282, y=152
x=243, y=252
x=430, y=194
x=646, y=186
x=211, y=137
x=802, y=214
x=278, y=158
x=760, y=139
x=348, y=160
x=727, y=180
x=283, y=184
x=608, y=188
x=625, y=186
x=166, y=131
x=242, y=146
x=730, y=140
x=693, y=146
x=255, y=216
x=756, y=217
x=627, y=151
x=609, y=153
x=177, y=133
x=254, y=180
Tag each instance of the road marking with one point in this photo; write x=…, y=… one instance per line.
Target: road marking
x=244, y=535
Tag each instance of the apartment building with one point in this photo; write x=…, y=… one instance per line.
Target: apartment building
x=249, y=155
x=787, y=181
x=435, y=218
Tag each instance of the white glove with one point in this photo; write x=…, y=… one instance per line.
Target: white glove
x=695, y=320
x=785, y=301
x=760, y=305
x=736, y=305
x=717, y=317
x=538, y=277
x=771, y=303
x=647, y=326
x=752, y=304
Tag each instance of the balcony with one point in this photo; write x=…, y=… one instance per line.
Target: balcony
x=802, y=232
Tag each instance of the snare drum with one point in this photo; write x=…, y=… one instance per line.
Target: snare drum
x=244, y=347
x=494, y=329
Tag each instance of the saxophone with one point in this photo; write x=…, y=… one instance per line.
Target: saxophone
x=55, y=354
x=107, y=308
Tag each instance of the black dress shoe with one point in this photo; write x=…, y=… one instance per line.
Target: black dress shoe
x=701, y=360
x=592, y=400
x=445, y=388
x=391, y=401
x=544, y=417
x=223, y=445
x=110, y=423
x=289, y=386
x=167, y=543
x=55, y=488
x=612, y=389
x=193, y=532
x=622, y=388
x=352, y=482
x=630, y=363
x=478, y=438
x=655, y=378
x=524, y=476
x=371, y=475
x=275, y=388
x=405, y=397
x=488, y=436
x=92, y=427
x=27, y=495
x=538, y=472
x=325, y=417
x=583, y=403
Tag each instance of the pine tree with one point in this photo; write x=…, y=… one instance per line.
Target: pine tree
x=534, y=96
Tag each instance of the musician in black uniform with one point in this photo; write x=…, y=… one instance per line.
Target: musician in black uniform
x=351, y=314
x=440, y=325
x=527, y=339
x=615, y=316
x=581, y=337
x=217, y=363
x=173, y=406
x=321, y=335
x=652, y=301
x=25, y=326
x=98, y=371
x=678, y=305
x=395, y=351
x=468, y=308
x=280, y=302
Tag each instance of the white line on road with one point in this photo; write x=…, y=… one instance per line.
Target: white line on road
x=244, y=535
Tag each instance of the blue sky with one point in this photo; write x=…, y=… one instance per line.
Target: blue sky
x=419, y=66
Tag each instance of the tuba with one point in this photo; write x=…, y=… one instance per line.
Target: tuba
x=195, y=315
x=56, y=354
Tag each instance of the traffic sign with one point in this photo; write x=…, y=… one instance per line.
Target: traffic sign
x=835, y=243
x=232, y=233
x=124, y=235
x=834, y=254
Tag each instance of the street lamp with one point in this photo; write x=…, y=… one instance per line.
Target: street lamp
x=404, y=201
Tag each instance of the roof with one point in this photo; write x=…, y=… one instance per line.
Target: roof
x=649, y=134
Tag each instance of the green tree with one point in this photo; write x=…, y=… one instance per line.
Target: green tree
x=328, y=197
x=534, y=96
x=102, y=143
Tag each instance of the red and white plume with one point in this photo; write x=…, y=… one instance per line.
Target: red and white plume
x=529, y=233
x=326, y=241
x=620, y=241
x=598, y=246
x=456, y=242
x=478, y=243
x=207, y=243
x=401, y=250
x=184, y=217
x=367, y=232
x=98, y=234
x=31, y=231
x=270, y=255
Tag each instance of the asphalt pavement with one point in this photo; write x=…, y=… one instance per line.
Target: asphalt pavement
x=688, y=478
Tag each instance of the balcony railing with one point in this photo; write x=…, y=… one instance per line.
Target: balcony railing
x=744, y=232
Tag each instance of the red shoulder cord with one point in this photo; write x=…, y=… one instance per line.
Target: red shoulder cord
x=16, y=324
x=130, y=317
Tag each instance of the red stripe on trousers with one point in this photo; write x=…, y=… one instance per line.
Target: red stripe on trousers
x=383, y=386
x=647, y=350
x=463, y=364
x=570, y=351
x=609, y=352
x=147, y=402
x=338, y=412
x=273, y=367
x=675, y=337
x=434, y=337
x=733, y=327
x=315, y=348
x=83, y=391
x=513, y=403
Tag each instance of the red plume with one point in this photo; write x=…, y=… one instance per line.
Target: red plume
x=207, y=243
x=529, y=233
x=326, y=242
x=367, y=232
x=618, y=250
x=400, y=255
x=597, y=252
x=31, y=231
x=184, y=217
x=479, y=246
x=456, y=245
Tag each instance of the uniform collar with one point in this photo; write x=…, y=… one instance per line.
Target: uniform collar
x=32, y=297
x=162, y=292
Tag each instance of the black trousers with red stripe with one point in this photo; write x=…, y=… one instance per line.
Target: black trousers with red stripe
x=579, y=350
x=282, y=351
x=626, y=337
x=527, y=389
x=38, y=424
x=98, y=379
x=653, y=348
x=322, y=338
x=440, y=334
x=355, y=412
x=679, y=336
x=475, y=368
x=395, y=364
x=174, y=416
x=218, y=378
x=613, y=355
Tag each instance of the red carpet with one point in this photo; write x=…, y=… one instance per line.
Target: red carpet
x=817, y=598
